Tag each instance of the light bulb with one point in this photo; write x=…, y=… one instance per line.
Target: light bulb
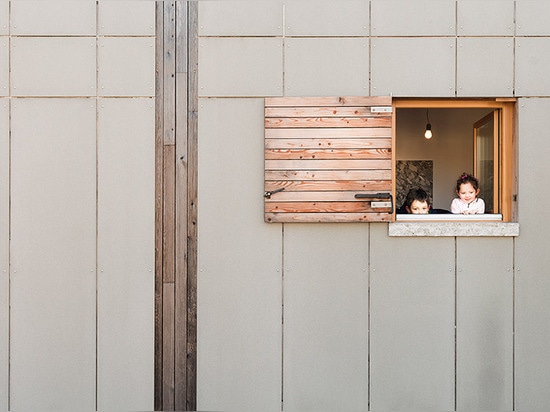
x=428, y=133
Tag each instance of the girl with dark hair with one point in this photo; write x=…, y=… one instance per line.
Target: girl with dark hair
x=467, y=202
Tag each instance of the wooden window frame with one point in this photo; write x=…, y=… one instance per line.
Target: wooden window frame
x=507, y=145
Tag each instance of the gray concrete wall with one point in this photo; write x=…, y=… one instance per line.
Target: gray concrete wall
x=77, y=183
x=343, y=316
x=293, y=317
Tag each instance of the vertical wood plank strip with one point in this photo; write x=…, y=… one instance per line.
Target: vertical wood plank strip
x=169, y=204
x=168, y=348
x=192, y=138
x=181, y=171
x=168, y=246
x=159, y=195
x=181, y=36
x=169, y=72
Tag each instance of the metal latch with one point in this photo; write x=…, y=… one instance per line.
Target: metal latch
x=267, y=195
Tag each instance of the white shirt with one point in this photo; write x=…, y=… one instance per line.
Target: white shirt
x=476, y=206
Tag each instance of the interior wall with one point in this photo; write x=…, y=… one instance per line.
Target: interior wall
x=451, y=148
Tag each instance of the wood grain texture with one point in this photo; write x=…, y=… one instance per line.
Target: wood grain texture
x=324, y=185
x=336, y=111
x=168, y=244
x=168, y=332
x=322, y=143
x=181, y=218
x=322, y=207
x=328, y=175
x=321, y=152
x=169, y=72
x=159, y=196
x=326, y=217
x=329, y=101
x=328, y=132
x=176, y=205
x=313, y=122
x=341, y=164
x=192, y=194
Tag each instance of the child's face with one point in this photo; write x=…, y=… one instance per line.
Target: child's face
x=418, y=208
x=467, y=192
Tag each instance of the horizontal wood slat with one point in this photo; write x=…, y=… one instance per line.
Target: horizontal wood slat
x=328, y=133
x=328, y=101
x=328, y=143
x=320, y=207
x=309, y=122
x=311, y=154
x=327, y=217
x=320, y=152
x=313, y=196
x=326, y=185
x=327, y=175
x=322, y=112
x=343, y=164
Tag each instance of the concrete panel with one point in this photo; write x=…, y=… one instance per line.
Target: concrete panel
x=4, y=66
x=326, y=67
x=240, y=67
x=53, y=255
x=532, y=18
x=4, y=251
x=126, y=17
x=485, y=18
x=485, y=66
x=532, y=66
x=413, y=18
x=4, y=17
x=240, y=257
x=53, y=17
x=126, y=66
x=412, y=335
x=53, y=66
x=396, y=68
x=325, y=317
x=532, y=283
x=126, y=254
x=327, y=18
x=240, y=18
x=485, y=326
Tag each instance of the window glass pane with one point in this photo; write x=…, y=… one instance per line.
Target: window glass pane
x=485, y=161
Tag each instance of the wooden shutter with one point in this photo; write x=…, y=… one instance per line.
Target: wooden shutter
x=328, y=159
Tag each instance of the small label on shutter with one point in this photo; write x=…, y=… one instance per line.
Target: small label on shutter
x=376, y=205
x=381, y=109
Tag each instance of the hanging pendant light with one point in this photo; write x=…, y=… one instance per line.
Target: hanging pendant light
x=428, y=132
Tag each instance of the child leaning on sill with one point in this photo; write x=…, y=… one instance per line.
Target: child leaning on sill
x=467, y=202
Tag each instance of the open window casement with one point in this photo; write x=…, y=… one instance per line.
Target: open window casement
x=328, y=159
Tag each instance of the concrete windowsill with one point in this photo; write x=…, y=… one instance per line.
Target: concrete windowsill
x=452, y=225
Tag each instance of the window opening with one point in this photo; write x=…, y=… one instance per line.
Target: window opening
x=472, y=136
x=342, y=159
